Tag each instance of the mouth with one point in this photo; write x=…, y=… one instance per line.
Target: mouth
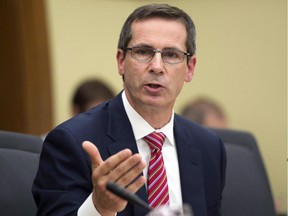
x=154, y=86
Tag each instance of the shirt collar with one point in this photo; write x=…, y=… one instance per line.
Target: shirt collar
x=141, y=127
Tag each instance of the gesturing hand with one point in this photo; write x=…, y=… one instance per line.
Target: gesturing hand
x=121, y=168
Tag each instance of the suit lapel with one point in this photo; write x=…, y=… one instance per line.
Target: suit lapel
x=190, y=167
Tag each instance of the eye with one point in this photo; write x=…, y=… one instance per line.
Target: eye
x=143, y=51
x=171, y=54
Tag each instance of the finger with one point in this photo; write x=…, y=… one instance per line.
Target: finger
x=112, y=162
x=93, y=153
x=137, y=184
x=128, y=170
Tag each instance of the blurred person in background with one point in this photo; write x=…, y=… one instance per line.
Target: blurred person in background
x=205, y=111
x=89, y=94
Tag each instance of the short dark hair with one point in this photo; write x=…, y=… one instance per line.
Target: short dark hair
x=199, y=108
x=163, y=11
x=89, y=91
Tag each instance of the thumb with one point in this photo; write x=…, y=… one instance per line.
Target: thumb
x=93, y=153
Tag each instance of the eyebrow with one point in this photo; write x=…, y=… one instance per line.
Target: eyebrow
x=148, y=46
x=143, y=45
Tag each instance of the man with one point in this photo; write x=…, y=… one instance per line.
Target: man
x=156, y=55
x=88, y=94
x=206, y=112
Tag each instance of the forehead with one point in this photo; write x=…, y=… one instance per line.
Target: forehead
x=159, y=33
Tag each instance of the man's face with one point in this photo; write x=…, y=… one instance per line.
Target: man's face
x=155, y=84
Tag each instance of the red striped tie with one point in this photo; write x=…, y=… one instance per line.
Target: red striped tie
x=158, y=193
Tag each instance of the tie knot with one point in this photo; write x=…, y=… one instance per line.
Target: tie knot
x=155, y=140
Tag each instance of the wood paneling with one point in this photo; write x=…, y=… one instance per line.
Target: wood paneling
x=25, y=83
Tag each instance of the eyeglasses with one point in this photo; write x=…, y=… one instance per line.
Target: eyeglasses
x=146, y=54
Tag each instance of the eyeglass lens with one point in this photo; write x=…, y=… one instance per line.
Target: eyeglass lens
x=145, y=54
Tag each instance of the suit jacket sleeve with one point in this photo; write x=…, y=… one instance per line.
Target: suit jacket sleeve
x=63, y=180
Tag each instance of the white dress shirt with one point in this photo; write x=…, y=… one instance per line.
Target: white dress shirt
x=141, y=128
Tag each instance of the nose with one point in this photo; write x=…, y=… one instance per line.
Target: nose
x=156, y=63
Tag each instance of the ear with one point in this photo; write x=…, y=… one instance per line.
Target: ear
x=190, y=69
x=120, y=61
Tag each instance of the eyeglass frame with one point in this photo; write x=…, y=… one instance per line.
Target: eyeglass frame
x=158, y=51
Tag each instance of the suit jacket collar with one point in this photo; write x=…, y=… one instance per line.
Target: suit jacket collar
x=190, y=167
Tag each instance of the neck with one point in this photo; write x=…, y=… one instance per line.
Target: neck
x=155, y=117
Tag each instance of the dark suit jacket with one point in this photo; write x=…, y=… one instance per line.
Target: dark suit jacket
x=63, y=180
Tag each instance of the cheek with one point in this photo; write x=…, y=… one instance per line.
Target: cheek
x=178, y=80
x=134, y=70
x=131, y=74
x=181, y=75
x=176, y=83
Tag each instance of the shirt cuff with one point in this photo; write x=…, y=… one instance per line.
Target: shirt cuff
x=88, y=208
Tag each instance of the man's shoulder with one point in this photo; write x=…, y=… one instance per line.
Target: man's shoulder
x=186, y=124
x=91, y=120
x=194, y=131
